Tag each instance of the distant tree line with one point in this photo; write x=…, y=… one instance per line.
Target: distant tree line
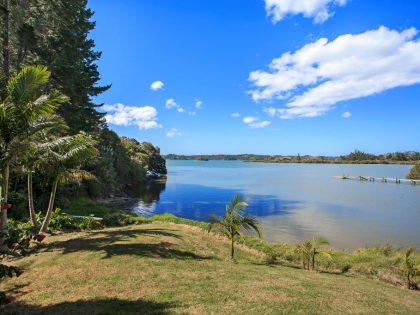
x=354, y=157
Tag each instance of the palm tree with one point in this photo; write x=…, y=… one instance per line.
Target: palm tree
x=63, y=163
x=409, y=268
x=316, y=244
x=234, y=222
x=309, y=249
x=35, y=155
x=24, y=111
x=304, y=250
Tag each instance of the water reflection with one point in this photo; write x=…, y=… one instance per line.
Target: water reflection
x=198, y=202
x=293, y=202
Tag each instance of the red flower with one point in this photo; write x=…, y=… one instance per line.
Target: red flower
x=8, y=300
x=7, y=206
x=18, y=272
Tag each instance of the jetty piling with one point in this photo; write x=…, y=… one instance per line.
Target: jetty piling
x=413, y=182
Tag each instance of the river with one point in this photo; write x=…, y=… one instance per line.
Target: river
x=294, y=201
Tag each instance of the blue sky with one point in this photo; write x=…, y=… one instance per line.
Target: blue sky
x=343, y=74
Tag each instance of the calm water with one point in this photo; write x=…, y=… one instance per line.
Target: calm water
x=295, y=201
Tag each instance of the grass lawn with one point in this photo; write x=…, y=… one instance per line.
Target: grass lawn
x=167, y=268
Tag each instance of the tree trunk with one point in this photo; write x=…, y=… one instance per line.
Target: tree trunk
x=408, y=281
x=5, y=35
x=31, y=200
x=44, y=227
x=313, y=261
x=232, y=249
x=4, y=195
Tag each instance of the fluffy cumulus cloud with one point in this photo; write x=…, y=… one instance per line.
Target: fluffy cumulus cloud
x=317, y=76
x=198, y=104
x=235, y=115
x=346, y=115
x=173, y=133
x=122, y=115
x=157, y=85
x=170, y=103
x=318, y=10
x=253, y=122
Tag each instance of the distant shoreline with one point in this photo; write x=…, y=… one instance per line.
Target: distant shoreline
x=356, y=157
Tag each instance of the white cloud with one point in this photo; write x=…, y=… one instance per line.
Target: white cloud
x=319, y=10
x=122, y=115
x=320, y=74
x=192, y=113
x=173, y=133
x=199, y=104
x=157, y=85
x=253, y=122
x=270, y=111
x=249, y=119
x=346, y=115
x=170, y=103
x=260, y=124
x=235, y=115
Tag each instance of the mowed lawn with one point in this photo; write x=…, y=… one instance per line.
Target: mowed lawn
x=166, y=268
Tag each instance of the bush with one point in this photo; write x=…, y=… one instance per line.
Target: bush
x=61, y=221
x=118, y=219
x=90, y=224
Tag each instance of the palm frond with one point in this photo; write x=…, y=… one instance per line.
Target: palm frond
x=250, y=223
x=27, y=83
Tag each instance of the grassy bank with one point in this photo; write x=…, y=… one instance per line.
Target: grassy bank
x=377, y=262
x=167, y=268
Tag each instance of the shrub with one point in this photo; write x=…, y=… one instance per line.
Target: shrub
x=62, y=222
x=118, y=219
x=7, y=271
x=90, y=224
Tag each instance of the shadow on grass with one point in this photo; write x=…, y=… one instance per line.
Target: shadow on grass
x=118, y=242
x=91, y=307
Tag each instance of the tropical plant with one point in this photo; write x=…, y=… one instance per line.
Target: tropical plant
x=63, y=164
x=5, y=272
x=309, y=249
x=304, y=251
x=317, y=244
x=234, y=222
x=24, y=112
x=409, y=267
x=414, y=172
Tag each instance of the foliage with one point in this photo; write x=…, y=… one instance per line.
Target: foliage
x=414, y=172
x=356, y=157
x=85, y=207
x=409, y=268
x=89, y=223
x=118, y=219
x=7, y=272
x=234, y=222
x=61, y=221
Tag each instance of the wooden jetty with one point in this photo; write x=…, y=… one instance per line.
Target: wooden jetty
x=380, y=179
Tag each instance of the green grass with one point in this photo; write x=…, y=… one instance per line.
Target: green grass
x=167, y=268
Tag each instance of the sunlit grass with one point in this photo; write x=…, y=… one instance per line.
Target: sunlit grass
x=169, y=268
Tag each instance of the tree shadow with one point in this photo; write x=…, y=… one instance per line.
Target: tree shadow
x=118, y=242
x=99, y=306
